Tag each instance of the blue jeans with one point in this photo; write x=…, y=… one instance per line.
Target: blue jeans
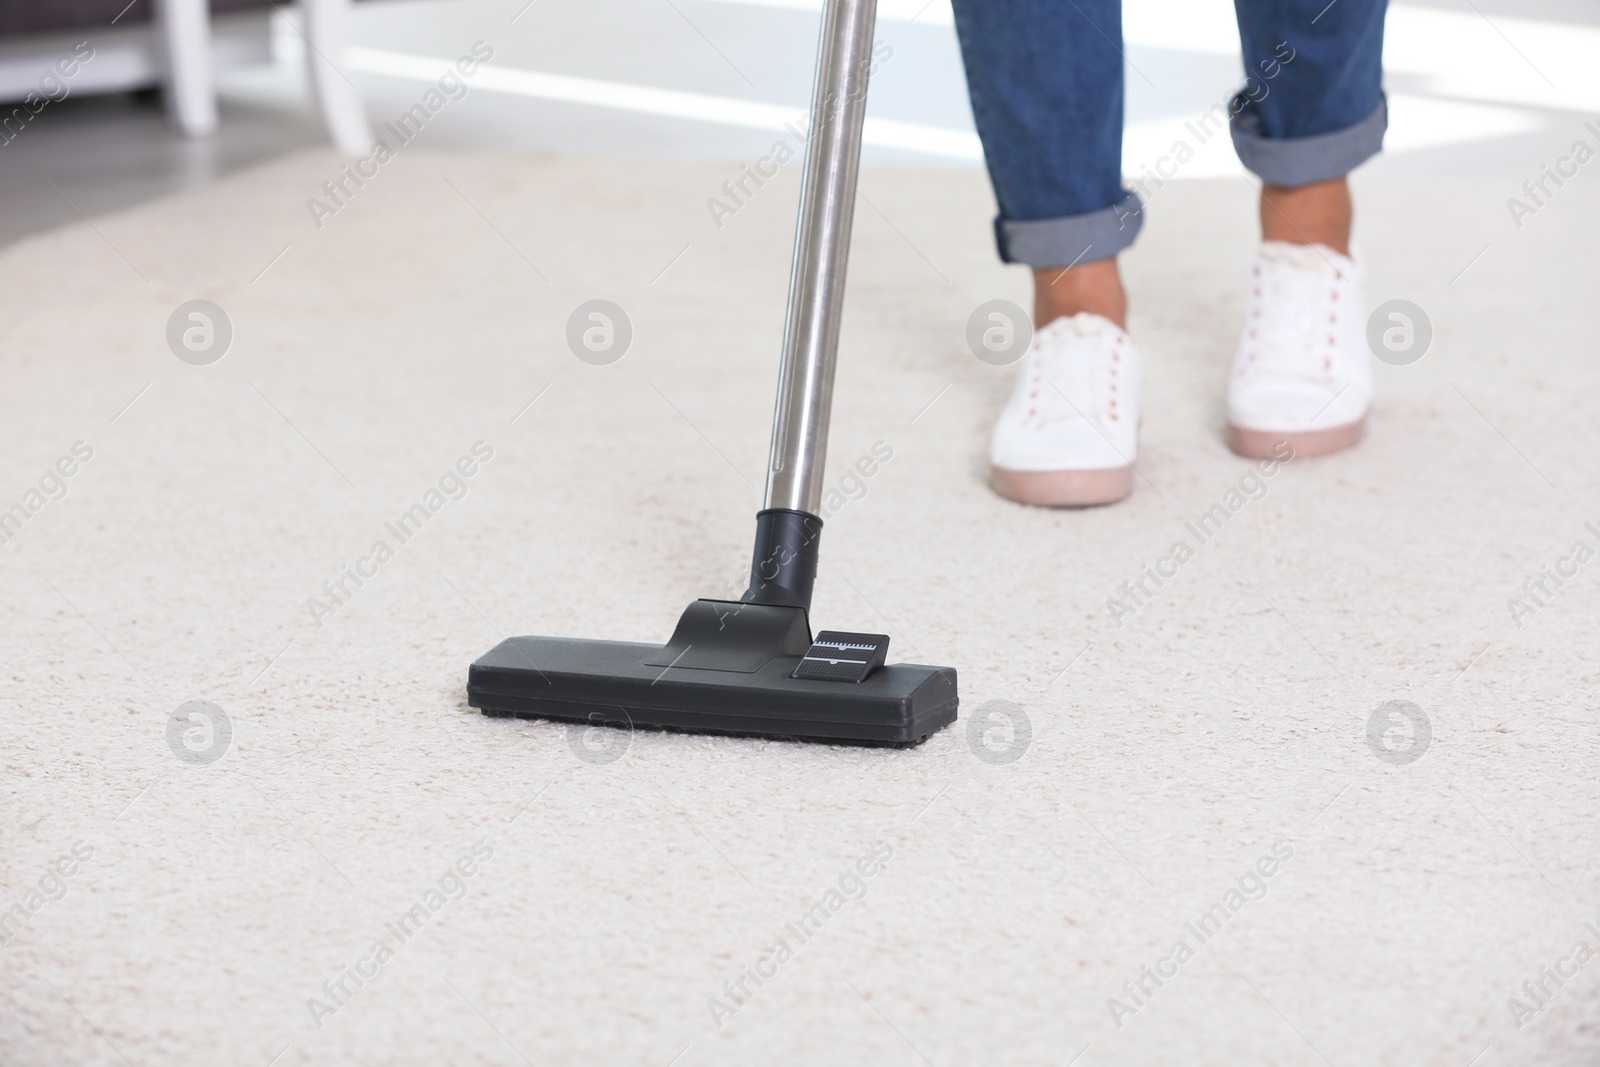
x=1045, y=77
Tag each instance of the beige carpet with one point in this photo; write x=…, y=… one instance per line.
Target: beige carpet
x=1210, y=756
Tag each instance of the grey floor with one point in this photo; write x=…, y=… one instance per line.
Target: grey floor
x=99, y=154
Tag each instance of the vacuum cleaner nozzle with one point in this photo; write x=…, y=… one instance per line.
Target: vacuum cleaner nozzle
x=745, y=666
x=731, y=667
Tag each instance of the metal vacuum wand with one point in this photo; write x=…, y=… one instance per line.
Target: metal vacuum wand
x=822, y=245
x=787, y=528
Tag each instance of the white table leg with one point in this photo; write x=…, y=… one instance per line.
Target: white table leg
x=327, y=25
x=185, y=29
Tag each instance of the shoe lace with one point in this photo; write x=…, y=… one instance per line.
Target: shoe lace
x=1075, y=374
x=1292, y=325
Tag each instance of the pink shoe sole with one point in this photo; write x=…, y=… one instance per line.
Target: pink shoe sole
x=1063, y=489
x=1264, y=444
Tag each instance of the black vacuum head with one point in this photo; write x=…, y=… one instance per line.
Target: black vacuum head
x=731, y=667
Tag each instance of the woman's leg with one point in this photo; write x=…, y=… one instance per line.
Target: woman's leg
x=1311, y=111
x=1045, y=77
x=1046, y=84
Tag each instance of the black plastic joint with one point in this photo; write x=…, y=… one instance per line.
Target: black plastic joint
x=784, y=566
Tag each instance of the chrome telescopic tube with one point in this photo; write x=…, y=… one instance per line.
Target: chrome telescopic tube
x=821, y=247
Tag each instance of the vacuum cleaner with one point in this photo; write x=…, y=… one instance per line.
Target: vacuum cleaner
x=752, y=666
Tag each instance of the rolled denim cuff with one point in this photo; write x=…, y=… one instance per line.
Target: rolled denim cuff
x=1295, y=161
x=1073, y=239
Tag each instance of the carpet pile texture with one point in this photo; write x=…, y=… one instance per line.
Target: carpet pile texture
x=346, y=864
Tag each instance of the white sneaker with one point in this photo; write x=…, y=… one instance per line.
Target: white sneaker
x=1070, y=434
x=1303, y=373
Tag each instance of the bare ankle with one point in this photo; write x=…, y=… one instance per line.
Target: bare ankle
x=1093, y=287
x=1315, y=214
